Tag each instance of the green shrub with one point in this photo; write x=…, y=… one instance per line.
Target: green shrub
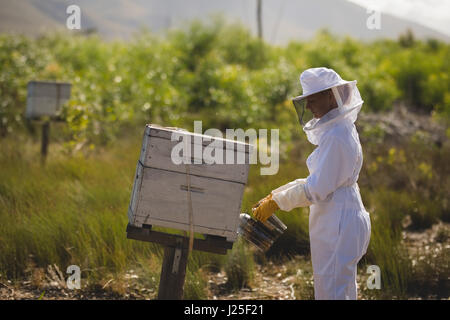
x=430, y=274
x=195, y=284
x=211, y=70
x=239, y=267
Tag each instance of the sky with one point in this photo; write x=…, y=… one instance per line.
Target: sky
x=431, y=13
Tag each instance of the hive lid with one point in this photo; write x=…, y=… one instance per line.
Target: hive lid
x=196, y=138
x=232, y=164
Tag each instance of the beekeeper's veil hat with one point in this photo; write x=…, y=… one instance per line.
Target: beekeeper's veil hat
x=346, y=93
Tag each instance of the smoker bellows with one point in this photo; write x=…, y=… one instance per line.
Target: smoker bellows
x=159, y=193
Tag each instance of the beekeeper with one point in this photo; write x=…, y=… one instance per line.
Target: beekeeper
x=339, y=225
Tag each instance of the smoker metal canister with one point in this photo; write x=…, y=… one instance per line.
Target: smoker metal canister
x=254, y=233
x=261, y=234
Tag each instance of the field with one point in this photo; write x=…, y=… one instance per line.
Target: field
x=73, y=209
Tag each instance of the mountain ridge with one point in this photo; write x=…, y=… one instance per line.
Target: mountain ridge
x=283, y=20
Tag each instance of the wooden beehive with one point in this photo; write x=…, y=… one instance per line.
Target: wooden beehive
x=46, y=98
x=159, y=195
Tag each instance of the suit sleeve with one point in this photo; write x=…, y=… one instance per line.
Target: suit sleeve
x=288, y=185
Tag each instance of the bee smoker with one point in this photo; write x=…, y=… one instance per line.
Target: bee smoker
x=260, y=234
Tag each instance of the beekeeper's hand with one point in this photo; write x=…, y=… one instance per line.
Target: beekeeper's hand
x=265, y=208
x=269, y=196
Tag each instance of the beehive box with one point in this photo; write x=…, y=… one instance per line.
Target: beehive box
x=46, y=98
x=159, y=195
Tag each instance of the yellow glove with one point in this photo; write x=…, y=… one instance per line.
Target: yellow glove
x=265, y=208
x=269, y=196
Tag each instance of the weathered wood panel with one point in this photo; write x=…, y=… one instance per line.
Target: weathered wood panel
x=135, y=193
x=163, y=201
x=158, y=155
x=166, y=133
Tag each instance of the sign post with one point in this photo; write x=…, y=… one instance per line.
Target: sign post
x=44, y=102
x=45, y=138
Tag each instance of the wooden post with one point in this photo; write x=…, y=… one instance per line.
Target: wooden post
x=173, y=272
x=259, y=18
x=176, y=250
x=45, y=140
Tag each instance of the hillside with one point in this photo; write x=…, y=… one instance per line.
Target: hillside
x=283, y=20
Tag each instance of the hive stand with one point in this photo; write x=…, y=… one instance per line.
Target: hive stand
x=176, y=249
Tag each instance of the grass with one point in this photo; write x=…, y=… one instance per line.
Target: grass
x=300, y=267
x=70, y=211
x=239, y=267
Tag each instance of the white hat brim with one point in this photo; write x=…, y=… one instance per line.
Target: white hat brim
x=303, y=96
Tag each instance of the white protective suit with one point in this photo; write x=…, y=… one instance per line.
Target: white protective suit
x=339, y=225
